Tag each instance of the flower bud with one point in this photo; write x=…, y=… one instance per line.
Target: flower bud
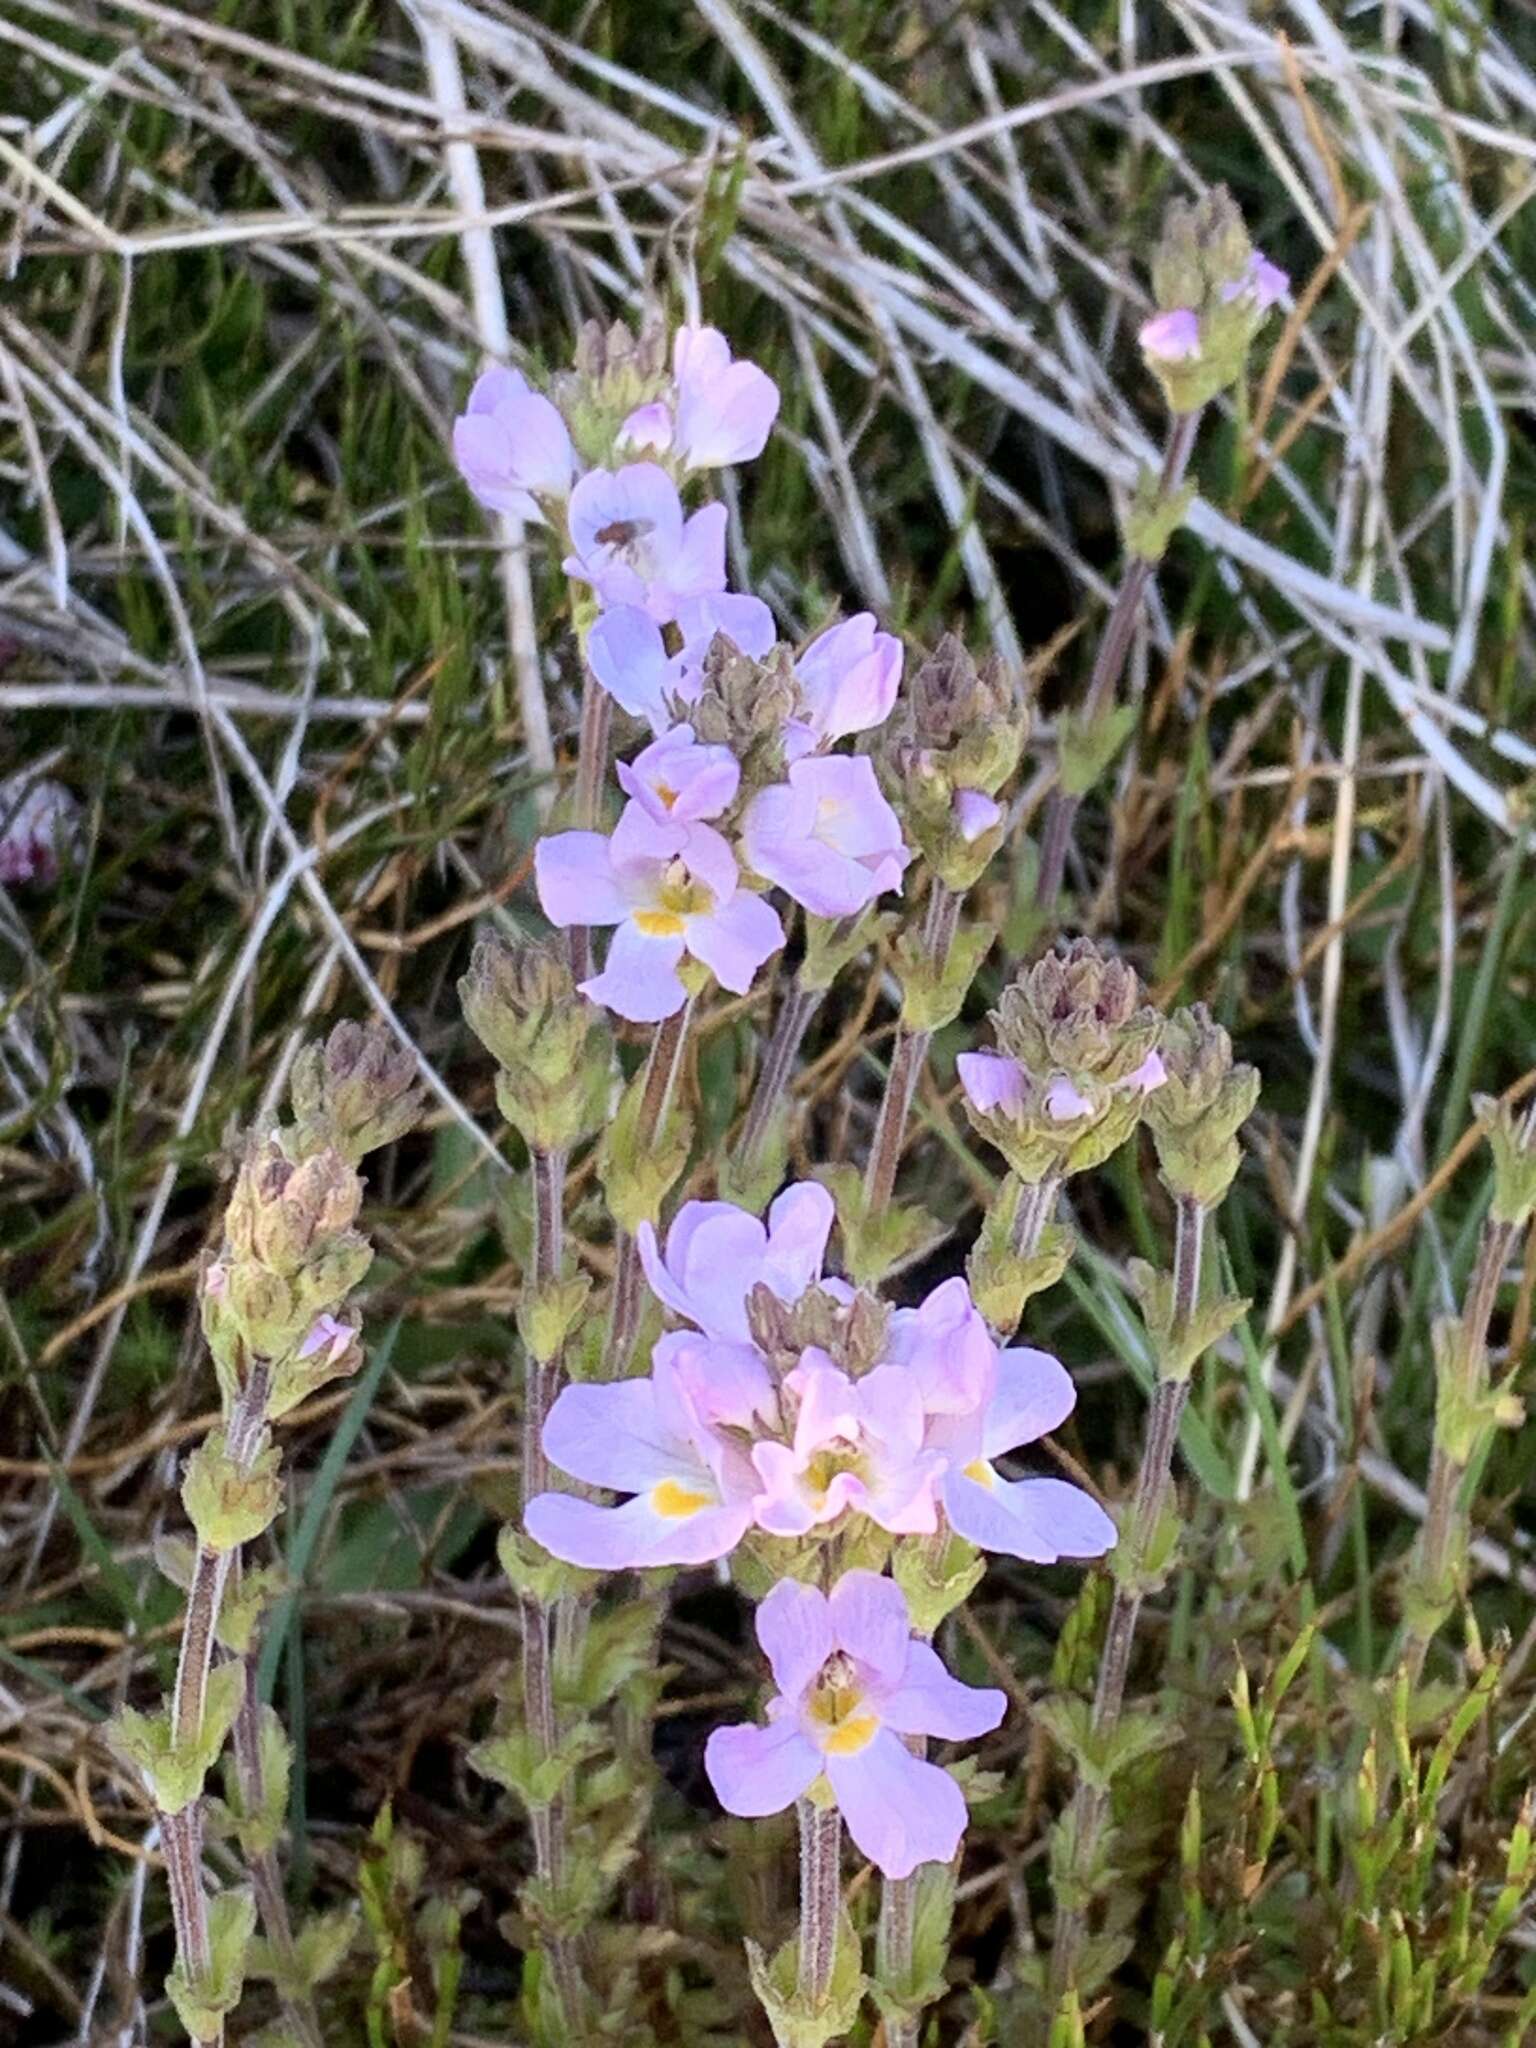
x=1078, y=1013
x=1512, y=1138
x=616, y=372
x=522, y=1004
x=1197, y=1112
x=745, y=704
x=953, y=743
x=1213, y=289
x=353, y=1094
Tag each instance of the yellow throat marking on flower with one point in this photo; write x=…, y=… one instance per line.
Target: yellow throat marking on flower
x=827, y=1465
x=674, y=1500
x=982, y=1473
x=659, y=924
x=846, y=1725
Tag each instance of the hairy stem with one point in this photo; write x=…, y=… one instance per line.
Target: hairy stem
x=821, y=1899
x=547, y=1823
x=661, y=1072
x=940, y=919
x=1090, y=1807
x=1109, y=665
x=587, y=796
x=182, y=1833
x=1444, y=1531
x=796, y=1010
x=266, y=1876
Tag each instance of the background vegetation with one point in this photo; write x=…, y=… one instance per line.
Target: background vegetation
x=250, y=618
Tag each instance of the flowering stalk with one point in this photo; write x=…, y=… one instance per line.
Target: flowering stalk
x=1195, y=1115
x=1213, y=290
x=644, y=1146
x=909, y=1056
x=821, y=1898
x=270, y=1305
x=553, y=1061
x=1467, y=1408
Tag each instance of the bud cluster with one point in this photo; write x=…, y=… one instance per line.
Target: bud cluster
x=1213, y=290
x=548, y=1042
x=951, y=748
x=1205, y=1099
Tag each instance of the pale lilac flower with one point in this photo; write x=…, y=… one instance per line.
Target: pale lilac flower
x=512, y=447
x=692, y=1487
x=996, y=1085
x=676, y=777
x=827, y=836
x=330, y=1335
x=857, y=1444
x=216, y=1280
x=946, y=1346
x=848, y=677
x=670, y=888
x=716, y=1254
x=725, y=409
x=630, y=541
x=39, y=822
x=975, y=814
x=852, y=1681
x=1023, y=1395
x=1172, y=337
x=648, y=428
x=1265, y=283
x=628, y=655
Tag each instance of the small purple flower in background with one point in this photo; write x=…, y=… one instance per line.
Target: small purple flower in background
x=648, y=430
x=692, y=1490
x=716, y=1254
x=39, y=823
x=1022, y=1395
x=725, y=409
x=330, y=1335
x=670, y=888
x=628, y=655
x=511, y=446
x=1266, y=283
x=858, y=1444
x=849, y=677
x=947, y=1348
x=975, y=814
x=827, y=836
x=630, y=541
x=216, y=1280
x=1172, y=337
x=675, y=777
x=852, y=1681
x=996, y=1085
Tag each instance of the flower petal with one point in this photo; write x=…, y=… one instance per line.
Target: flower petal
x=1033, y=1395
x=757, y=1771
x=576, y=882
x=900, y=1811
x=612, y=1436
x=734, y=941
x=626, y=653
x=870, y=1621
x=797, y=1632
x=1038, y=1520
x=928, y=1701
x=639, y=978
x=799, y=1224
x=632, y=1537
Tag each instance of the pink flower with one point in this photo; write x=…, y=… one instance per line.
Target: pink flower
x=851, y=1683
x=512, y=447
x=675, y=777
x=1020, y=1395
x=629, y=657
x=857, y=1445
x=39, y=821
x=998, y=1086
x=1265, y=283
x=648, y=428
x=849, y=677
x=975, y=814
x=946, y=1347
x=692, y=1489
x=671, y=888
x=725, y=410
x=827, y=836
x=329, y=1335
x=216, y=1280
x=716, y=1254
x=1172, y=337
x=630, y=541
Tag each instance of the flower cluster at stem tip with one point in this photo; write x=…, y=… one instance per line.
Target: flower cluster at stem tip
x=707, y=829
